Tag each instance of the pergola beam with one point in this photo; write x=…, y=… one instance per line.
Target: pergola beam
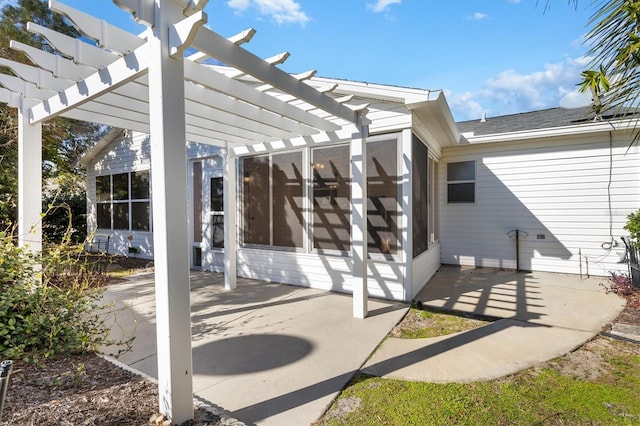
x=222, y=49
x=118, y=73
x=214, y=80
x=60, y=67
x=243, y=110
x=81, y=52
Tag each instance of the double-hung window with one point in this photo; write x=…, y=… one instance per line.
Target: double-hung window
x=461, y=182
x=123, y=201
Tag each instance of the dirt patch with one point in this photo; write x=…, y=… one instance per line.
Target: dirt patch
x=631, y=313
x=344, y=407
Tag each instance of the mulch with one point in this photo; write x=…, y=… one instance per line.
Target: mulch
x=86, y=390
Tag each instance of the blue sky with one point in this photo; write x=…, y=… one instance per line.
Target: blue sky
x=493, y=56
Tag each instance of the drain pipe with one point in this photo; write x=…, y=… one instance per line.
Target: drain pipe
x=517, y=233
x=5, y=373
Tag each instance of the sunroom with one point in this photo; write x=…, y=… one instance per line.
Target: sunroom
x=293, y=198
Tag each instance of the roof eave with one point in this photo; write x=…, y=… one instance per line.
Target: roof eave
x=436, y=115
x=98, y=147
x=595, y=127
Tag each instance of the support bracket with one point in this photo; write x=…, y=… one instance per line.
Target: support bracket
x=143, y=11
x=182, y=34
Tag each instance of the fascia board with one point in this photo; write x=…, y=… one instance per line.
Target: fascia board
x=582, y=129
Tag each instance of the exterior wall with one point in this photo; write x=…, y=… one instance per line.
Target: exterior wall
x=571, y=195
x=423, y=268
x=127, y=153
x=333, y=273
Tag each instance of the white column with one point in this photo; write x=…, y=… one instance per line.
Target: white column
x=170, y=224
x=407, y=211
x=230, y=228
x=359, y=218
x=29, y=182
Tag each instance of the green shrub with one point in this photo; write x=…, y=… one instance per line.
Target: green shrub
x=633, y=226
x=52, y=308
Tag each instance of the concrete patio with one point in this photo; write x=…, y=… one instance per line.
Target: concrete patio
x=538, y=316
x=276, y=354
x=266, y=353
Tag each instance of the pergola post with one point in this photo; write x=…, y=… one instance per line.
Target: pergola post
x=359, y=217
x=170, y=224
x=29, y=182
x=230, y=231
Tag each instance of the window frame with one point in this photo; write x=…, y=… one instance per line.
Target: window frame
x=399, y=253
x=110, y=202
x=451, y=182
x=270, y=201
x=311, y=210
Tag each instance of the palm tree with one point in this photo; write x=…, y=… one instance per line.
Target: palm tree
x=598, y=83
x=614, y=41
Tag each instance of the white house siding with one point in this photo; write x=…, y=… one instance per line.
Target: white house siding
x=423, y=267
x=126, y=153
x=199, y=150
x=334, y=273
x=569, y=191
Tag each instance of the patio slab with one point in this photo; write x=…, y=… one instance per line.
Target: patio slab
x=266, y=353
x=540, y=316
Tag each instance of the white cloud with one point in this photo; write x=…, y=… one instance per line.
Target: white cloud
x=281, y=11
x=381, y=5
x=239, y=5
x=477, y=16
x=512, y=92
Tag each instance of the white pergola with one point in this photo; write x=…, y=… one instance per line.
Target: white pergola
x=150, y=84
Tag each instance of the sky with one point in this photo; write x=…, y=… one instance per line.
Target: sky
x=495, y=57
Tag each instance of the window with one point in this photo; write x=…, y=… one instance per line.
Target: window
x=383, y=194
x=461, y=186
x=217, y=212
x=425, y=198
x=272, y=200
x=331, y=198
x=123, y=201
x=420, y=213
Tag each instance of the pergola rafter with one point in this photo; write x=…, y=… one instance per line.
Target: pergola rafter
x=145, y=83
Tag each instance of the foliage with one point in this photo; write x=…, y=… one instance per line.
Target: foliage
x=52, y=309
x=633, y=226
x=620, y=284
x=63, y=140
x=597, y=83
x=65, y=205
x=536, y=396
x=614, y=39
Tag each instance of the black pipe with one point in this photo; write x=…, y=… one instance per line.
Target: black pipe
x=517, y=250
x=5, y=373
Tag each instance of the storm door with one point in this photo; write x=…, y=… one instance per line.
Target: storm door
x=208, y=214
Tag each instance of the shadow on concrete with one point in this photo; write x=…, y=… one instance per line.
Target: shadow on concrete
x=281, y=403
x=249, y=354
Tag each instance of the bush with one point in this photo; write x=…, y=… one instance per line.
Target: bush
x=633, y=226
x=52, y=309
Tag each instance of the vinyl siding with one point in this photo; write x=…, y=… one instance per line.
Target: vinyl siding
x=126, y=153
x=569, y=194
x=423, y=268
x=334, y=273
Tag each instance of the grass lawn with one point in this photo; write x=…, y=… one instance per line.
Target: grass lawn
x=597, y=384
x=420, y=324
